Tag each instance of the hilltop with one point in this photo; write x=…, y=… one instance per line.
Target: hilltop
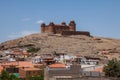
x=72, y=44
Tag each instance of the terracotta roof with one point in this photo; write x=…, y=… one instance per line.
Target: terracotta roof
x=1, y=68
x=19, y=64
x=16, y=53
x=9, y=64
x=25, y=53
x=57, y=65
x=30, y=69
x=78, y=55
x=99, y=70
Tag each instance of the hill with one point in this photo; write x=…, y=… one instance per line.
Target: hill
x=74, y=44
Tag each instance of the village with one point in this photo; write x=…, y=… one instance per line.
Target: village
x=55, y=65
x=26, y=62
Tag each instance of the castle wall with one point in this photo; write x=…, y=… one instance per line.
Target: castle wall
x=62, y=29
x=59, y=29
x=75, y=33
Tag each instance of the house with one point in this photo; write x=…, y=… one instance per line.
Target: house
x=60, y=70
x=19, y=54
x=13, y=67
x=64, y=58
x=25, y=73
x=87, y=60
x=47, y=58
x=92, y=71
x=37, y=59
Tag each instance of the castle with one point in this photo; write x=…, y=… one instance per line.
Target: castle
x=62, y=29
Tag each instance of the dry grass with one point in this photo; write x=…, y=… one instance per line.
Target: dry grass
x=74, y=44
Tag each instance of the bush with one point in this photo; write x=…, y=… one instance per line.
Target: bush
x=112, y=69
x=33, y=50
x=6, y=76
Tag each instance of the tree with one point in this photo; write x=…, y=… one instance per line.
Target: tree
x=13, y=77
x=40, y=77
x=6, y=76
x=112, y=69
x=33, y=50
x=36, y=78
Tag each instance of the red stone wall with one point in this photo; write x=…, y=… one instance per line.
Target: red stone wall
x=53, y=28
x=76, y=33
x=56, y=29
x=62, y=29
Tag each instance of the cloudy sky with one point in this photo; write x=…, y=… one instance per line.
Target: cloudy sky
x=23, y=17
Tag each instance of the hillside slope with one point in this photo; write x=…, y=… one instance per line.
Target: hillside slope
x=74, y=44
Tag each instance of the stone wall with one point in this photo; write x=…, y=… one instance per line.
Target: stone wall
x=62, y=29
x=55, y=28
x=88, y=78
x=73, y=70
x=76, y=33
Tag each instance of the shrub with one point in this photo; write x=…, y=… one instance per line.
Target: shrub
x=112, y=69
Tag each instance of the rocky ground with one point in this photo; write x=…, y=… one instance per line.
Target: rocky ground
x=74, y=44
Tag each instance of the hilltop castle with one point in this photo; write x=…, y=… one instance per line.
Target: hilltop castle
x=62, y=29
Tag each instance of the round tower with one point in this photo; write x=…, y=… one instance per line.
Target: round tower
x=72, y=26
x=63, y=24
x=43, y=27
x=51, y=27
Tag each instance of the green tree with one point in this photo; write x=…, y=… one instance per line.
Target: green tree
x=6, y=76
x=36, y=78
x=13, y=77
x=112, y=69
x=33, y=50
x=40, y=77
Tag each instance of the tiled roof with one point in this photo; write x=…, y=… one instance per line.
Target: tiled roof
x=31, y=69
x=99, y=70
x=57, y=65
x=19, y=64
x=1, y=68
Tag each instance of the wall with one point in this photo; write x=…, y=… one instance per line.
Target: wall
x=55, y=28
x=63, y=29
x=74, y=70
x=25, y=74
x=76, y=33
x=88, y=78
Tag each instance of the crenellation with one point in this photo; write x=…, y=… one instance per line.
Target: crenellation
x=63, y=24
x=62, y=29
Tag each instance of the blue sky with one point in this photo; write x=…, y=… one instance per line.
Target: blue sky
x=22, y=17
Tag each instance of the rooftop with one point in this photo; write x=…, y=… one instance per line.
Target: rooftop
x=57, y=65
x=30, y=69
x=99, y=70
x=1, y=68
x=19, y=64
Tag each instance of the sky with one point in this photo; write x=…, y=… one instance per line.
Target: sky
x=19, y=18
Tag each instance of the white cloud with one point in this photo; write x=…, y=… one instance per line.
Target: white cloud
x=40, y=22
x=25, y=19
x=21, y=34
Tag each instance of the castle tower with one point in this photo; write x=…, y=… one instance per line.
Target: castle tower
x=72, y=26
x=43, y=27
x=51, y=27
x=63, y=24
